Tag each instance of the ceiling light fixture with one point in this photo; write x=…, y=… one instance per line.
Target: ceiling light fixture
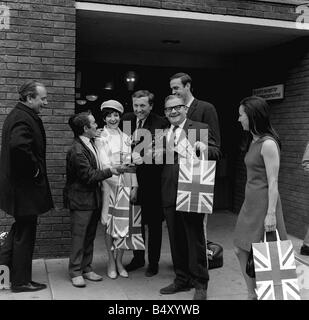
x=81, y=102
x=91, y=97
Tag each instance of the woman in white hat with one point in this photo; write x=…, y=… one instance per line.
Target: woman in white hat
x=113, y=146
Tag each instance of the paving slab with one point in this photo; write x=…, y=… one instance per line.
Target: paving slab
x=39, y=275
x=225, y=283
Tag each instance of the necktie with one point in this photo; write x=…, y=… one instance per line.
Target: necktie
x=174, y=134
x=139, y=126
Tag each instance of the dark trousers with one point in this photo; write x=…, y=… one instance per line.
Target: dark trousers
x=188, y=247
x=17, y=250
x=84, y=227
x=154, y=242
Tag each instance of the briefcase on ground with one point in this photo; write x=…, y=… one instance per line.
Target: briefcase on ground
x=214, y=255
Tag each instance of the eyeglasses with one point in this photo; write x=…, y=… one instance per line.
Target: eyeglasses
x=177, y=108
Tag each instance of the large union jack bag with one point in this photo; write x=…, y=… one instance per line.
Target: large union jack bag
x=275, y=270
x=195, y=185
x=118, y=213
x=134, y=240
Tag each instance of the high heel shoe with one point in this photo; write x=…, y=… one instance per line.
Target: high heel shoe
x=122, y=271
x=111, y=273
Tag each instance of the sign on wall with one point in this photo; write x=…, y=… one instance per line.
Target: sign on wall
x=270, y=92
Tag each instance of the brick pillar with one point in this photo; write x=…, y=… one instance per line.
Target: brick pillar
x=40, y=44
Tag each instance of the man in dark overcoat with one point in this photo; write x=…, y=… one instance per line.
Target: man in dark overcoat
x=149, y=181
x=24, y=186
x=83, y=196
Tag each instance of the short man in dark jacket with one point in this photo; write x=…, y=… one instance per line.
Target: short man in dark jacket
x=83, y=196
x=24, y=187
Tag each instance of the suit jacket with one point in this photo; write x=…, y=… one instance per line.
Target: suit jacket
x=83, y=190
x=24, y=186
x=205, y=112
x=148, y=175
x=170, y=172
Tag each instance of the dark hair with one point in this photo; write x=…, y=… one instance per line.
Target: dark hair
x=29, y=89
x=78, y=121
x=107, y=111
x=257, y=111
x=144, y=93
x=184, y=77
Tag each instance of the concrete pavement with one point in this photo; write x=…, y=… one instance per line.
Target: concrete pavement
x=225, y=283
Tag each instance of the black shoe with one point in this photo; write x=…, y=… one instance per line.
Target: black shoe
x=134, y=264
x=200, y=294
x=174, y=288
x=152, y=270
x=304, y=250
x=26, y=288
x=38, y=285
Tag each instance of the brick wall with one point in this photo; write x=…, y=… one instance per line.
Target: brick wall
x=257, y=9
x=40, y=44
x=290, y=118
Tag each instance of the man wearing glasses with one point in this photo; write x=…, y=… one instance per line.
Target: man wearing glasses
x=186, y=234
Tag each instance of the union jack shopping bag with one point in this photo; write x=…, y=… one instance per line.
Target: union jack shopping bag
x=124, y=218
x=195, y=185
x=134, y=240
x=275, y=270
x=302, y=271
x=119, y=206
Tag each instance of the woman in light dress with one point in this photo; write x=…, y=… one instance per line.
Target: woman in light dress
x=114, y=147
x=261, y=210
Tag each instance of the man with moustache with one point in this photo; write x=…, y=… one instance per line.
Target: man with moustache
x=24, y=187
x=186, y=232
x=149, y=181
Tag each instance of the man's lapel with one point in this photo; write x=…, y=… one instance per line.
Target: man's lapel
x=90, y=154
x=133, y=123
x=148, y=122
x=192, y=108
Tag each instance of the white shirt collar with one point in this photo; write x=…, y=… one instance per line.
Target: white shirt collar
x=179, y=126
x=143, y=121
x=86, y=140
x=190, y=102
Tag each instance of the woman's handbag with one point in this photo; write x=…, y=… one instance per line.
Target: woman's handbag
x=214, y=255
x=250, y=265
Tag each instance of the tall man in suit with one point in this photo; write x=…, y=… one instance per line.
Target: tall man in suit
x=149, y=181
x=198, y=110
x=24, y=186
x=186, y=233
x=83, y=196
